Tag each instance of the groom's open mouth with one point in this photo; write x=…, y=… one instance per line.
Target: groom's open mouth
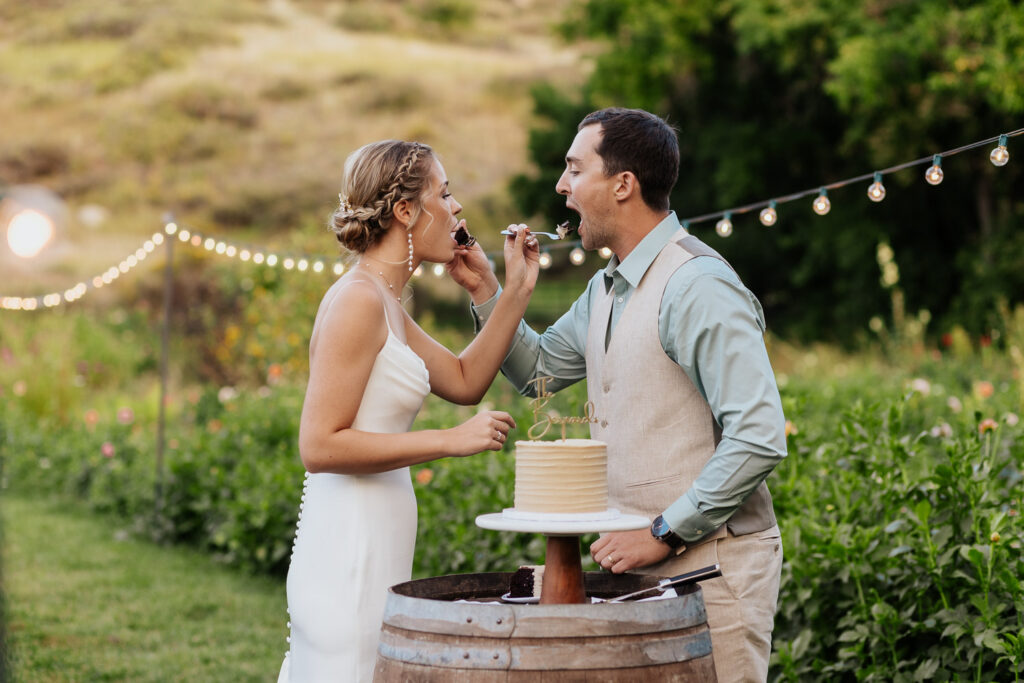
x=567, y=224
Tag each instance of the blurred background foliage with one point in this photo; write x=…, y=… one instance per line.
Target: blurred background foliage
x=776, y=96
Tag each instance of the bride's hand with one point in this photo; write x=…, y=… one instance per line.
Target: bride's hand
x=471, y=270
x=522, y=259
x=485, y=431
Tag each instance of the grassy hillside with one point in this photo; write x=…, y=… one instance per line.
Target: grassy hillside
x=237, y=114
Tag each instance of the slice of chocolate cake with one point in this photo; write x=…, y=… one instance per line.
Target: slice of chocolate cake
x=463, y=238
x=526, y=582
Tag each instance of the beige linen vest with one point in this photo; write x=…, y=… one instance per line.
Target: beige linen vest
x=659, y=429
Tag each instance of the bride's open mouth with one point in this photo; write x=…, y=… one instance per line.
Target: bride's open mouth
x=462, y=236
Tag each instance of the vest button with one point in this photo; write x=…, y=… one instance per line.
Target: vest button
x=604, y=423
x=606, y=388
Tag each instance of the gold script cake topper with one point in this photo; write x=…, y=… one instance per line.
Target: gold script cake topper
x=544, y=420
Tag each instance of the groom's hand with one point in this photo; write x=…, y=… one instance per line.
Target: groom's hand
x=620, y=551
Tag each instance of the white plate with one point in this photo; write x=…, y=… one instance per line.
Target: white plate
x=497, y=521
x=522, y=601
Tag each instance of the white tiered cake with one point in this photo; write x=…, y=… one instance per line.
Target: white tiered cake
x=561, y=477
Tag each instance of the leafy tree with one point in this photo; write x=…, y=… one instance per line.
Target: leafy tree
x=777, y=96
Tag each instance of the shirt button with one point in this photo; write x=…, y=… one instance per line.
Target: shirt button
x=620, y=299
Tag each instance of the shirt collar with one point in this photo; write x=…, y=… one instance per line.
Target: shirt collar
x=640, y=259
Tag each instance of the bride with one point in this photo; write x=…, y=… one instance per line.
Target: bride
x=370, y=367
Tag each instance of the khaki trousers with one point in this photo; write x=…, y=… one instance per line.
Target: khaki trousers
x=741, y=604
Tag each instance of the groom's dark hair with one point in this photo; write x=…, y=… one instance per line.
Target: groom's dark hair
x=646, y=145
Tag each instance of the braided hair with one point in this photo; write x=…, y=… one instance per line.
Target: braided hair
x=377, y=177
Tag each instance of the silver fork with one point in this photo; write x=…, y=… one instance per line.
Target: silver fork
x=549, y=235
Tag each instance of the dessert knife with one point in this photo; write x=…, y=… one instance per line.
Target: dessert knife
x=709, y=572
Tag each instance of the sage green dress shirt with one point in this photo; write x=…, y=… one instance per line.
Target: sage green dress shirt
x=713, y=327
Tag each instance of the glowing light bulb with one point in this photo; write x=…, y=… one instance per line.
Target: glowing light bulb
x=605, y=252
x=577, y=256
x=821, y=204
x=438, y=269
x=724, y=226
x=768, y=215
x=545, y=260
x=876, y=191
x=999, y=155
x=28, y=233
x=934, y=173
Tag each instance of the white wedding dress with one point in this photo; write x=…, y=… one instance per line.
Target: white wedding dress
x=355, y=538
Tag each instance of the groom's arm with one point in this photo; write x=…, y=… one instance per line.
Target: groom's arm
x=557, y=353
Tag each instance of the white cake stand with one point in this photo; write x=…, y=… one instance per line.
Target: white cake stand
x=563, y=569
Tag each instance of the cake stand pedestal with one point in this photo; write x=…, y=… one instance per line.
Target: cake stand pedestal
x=563, y=568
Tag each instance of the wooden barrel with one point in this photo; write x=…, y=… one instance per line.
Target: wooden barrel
x=428, y=637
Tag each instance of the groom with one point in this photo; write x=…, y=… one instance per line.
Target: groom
x=671, y=345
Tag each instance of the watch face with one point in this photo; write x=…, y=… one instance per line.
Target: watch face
x=661, y=527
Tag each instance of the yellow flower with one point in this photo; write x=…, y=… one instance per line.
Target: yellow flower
x=994, y=537
x=791, y=429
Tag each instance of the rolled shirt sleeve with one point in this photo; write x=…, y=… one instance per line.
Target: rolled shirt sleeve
x=558, y=353
x=712, y=326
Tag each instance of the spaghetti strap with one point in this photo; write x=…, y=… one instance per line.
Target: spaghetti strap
x=387, y=321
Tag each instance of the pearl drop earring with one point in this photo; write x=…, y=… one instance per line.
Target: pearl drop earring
x=410, y=251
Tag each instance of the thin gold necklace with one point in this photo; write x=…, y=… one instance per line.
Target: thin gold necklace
x=397, y=298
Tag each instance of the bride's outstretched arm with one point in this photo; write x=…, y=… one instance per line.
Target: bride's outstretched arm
x=466, y=377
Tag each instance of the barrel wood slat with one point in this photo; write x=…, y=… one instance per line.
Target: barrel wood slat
x=428, y=638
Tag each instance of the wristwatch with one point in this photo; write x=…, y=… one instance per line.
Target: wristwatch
x=663, y=532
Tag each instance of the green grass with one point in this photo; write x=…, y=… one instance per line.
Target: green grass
x=86, y=601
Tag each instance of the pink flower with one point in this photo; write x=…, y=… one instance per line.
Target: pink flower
x=425, y=476
x=987, y=425
x=91, y=417
x=125, y=416
x=107, y=449
x=984, y=389
x=921, y=386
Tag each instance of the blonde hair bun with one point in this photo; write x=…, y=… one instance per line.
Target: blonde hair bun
x=377, y=176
